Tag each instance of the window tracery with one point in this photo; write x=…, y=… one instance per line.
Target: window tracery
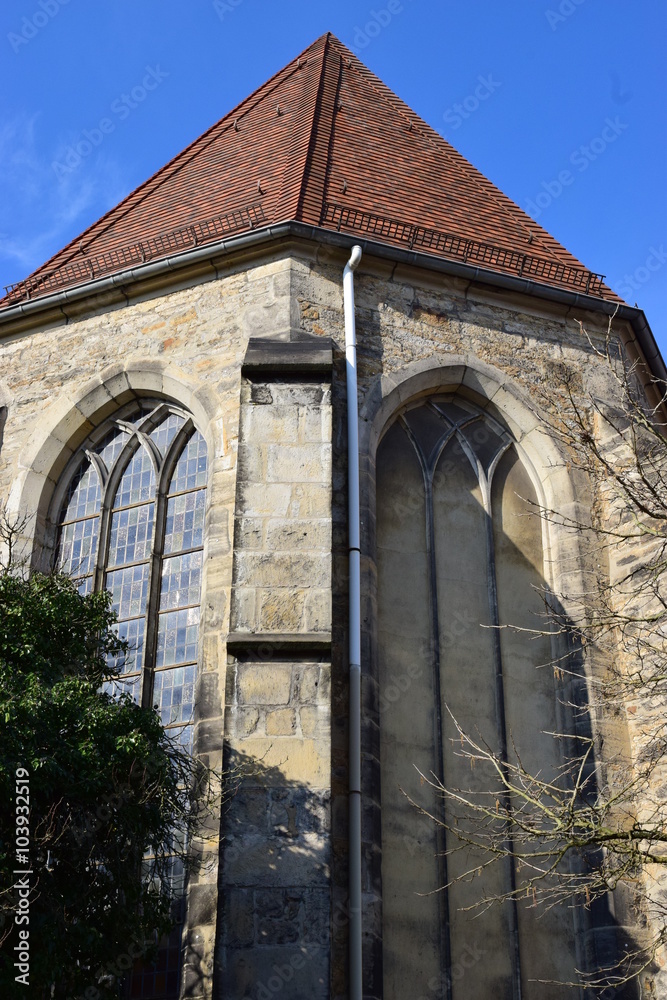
x=132, y=521
x=461, y=639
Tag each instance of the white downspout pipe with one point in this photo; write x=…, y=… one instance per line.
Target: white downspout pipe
x=354, y=794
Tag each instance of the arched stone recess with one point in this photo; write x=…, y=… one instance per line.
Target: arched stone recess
x=530, y=467
x=492, y=390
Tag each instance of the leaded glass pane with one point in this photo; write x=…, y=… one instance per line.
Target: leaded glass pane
x=130, y=530
x=177, y=874
x=178, y=634
x=129, y=588
x=190, y=471
x=183, y=736
x=181, y=580
x=84, y=495
x=138, y=482
x=185, y=521
x=160, y=979
x=174, y=693
x=85, y=585
x=131, y=534
x=117, y=686
x=166, y=431
x=78, y=545
x=133, y=632
x=111, y=446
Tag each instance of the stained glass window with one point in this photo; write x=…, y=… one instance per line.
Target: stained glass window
x=131, y=521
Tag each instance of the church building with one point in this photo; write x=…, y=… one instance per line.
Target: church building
x=177, y=427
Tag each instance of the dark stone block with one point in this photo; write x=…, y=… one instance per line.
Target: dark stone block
x=248, y=811
x=202, y=904
x=208, y=697
x=239, y=918
x=266, y=357
x=208, y=736
x=260, y=394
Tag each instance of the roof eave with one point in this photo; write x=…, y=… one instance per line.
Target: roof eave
x=118, y=281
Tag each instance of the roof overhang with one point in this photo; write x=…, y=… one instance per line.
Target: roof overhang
x=211, y=259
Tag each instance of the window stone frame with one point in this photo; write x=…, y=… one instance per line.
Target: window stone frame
x=556, y=488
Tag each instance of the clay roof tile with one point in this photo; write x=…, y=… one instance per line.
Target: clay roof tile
x=326, y=143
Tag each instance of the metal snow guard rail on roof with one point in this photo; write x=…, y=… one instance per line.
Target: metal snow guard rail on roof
x=469, y=251
x=88, y=268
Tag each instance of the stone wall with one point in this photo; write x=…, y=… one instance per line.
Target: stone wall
x=245, y=347
x=276, y=899
x=63, y=375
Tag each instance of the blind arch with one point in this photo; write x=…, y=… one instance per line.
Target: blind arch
x=458, y=554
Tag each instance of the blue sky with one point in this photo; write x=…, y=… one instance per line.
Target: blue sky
x=561, y=103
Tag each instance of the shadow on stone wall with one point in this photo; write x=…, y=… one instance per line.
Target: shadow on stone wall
x=274, y=912
x=477, y=660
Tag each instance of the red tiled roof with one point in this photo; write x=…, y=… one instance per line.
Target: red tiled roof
x=323, y=142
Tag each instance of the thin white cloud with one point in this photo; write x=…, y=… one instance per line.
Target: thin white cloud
x=36, y=196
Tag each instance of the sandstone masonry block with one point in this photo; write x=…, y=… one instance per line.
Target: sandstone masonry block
x=310, y=685
x=299, y=463
x=265, y=499
x=264, y=684
x=273, y=569
x=318, y=611
x=314, y=721
x=282, y=610
x=281, y=722
x=298, y=533
x=278, y=424
x=309, y=500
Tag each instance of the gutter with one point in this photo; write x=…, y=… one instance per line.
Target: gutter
x=211, y=253
x=354, y=553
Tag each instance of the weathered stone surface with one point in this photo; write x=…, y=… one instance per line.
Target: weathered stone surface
x=304, y=761
x=281, y=722
x=298, y=533
x=318, y=610
x=303, y=463
x=264, y=685
x=313, y=686
x=281, y=610
x=259, y=569
x=314, y=721
x=277, y=475
x=240, y=918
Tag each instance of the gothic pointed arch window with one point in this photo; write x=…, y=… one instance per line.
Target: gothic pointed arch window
x=460, y=555
x=131, y=520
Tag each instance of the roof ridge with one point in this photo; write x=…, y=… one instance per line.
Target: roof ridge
x=310, y=204
x=290, y=199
